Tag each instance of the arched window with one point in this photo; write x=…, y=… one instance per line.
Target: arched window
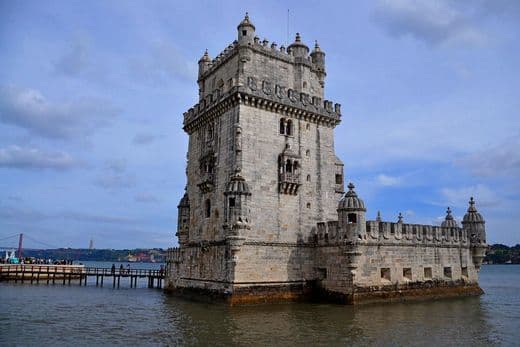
x=288, y=166
x=282, y=126
x=308, y=178
x=308, y=153
x=288, y=128
x=207, y=208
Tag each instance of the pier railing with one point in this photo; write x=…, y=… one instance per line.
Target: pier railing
x=53, y=273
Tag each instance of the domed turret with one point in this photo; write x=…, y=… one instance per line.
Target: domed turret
x=183, y=219
x=449, y=221
x=237, y=197
x=297, y=48
x=473, y=223
x=204, y=63
x=472, y=216
x=246, y=30
x=318, y=59
x=237, y=186
x=351, y=215
x=350, y=201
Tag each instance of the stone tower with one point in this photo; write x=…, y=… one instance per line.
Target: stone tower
x=265, y=216
x=261, y=164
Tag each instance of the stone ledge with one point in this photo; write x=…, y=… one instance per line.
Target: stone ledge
x=309, y=292
x=416, y=291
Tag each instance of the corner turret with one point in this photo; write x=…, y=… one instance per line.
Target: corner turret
x=297, y=48
x=473, y=222
x=246, y=30
x=183, y=219
x=318, y=60
x=474, y=225
x=236, y=205
x=204, y=63
x=351, y=215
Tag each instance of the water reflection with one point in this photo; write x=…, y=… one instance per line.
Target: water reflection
x=63, y=315
x=420, y=323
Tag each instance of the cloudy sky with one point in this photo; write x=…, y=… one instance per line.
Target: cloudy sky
x=92, y=95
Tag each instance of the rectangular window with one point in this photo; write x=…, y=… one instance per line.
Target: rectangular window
x=339, y=179
x=465, y=272
x=407, y=273
x=208, y=208
x=447, y=272
x=385, y=274
x=231, y=202
x=427, y=273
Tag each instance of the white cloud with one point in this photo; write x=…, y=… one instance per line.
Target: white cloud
x=31, y=110
x=499, y=160
x=34, y=158
x=388, y=181
x=434, y=22
x=164, y=64
x=459, y=197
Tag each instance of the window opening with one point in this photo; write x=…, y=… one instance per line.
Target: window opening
x=208, y=208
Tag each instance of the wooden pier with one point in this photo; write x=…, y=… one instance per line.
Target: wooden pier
x=67, y=274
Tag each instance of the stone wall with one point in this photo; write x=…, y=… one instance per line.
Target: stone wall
x=200, y=267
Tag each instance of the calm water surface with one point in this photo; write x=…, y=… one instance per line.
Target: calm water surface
x=86, y=316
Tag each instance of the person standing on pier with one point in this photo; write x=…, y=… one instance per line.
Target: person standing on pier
x=113, y=269
x=121, y=269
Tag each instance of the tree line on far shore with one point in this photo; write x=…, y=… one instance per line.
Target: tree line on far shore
x=502, y=254
x=496, y=254
x=126, y=255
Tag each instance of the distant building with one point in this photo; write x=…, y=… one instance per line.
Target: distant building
x=91, y=244
x=265, y=216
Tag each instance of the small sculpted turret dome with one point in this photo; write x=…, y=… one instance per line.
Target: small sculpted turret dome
x=205, y=57
x=185, y=201
x=298, y=48
x=318, y=60
x=449, y=221
x=204, y=63
x=246, y=23
x=350, y=201
x=472, y=216
x=246, y=30
x=237, y=185
x=317, y=55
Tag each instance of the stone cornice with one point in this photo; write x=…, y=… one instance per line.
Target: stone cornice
x=310, y=110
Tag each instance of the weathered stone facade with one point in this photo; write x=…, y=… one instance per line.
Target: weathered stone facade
x=265, y=216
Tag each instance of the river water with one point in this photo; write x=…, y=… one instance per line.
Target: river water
x=57, y=315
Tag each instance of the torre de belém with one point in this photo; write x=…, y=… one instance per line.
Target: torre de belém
x=265, y=216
